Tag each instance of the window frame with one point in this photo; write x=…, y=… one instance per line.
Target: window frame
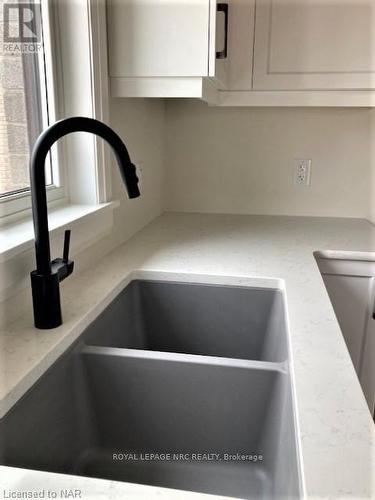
x=85, y=19
x=17, y=204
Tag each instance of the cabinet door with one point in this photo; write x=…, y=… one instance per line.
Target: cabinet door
x=314, y=44
x=353, y=298
x=367, y=370
x=241, y=44
x=158, y=38
x=350, y=297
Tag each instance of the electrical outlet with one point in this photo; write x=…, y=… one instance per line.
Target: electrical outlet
x=302, y=172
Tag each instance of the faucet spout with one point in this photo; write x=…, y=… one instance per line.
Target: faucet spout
x=47, y=276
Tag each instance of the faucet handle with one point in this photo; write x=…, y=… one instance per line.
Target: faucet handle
x=63, y=266
x=66, y=245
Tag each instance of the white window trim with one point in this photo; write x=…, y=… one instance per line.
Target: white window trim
x=82, y=34
x=100, y=92
x=19, y=237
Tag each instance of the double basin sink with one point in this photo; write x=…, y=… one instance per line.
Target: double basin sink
x=180, y=385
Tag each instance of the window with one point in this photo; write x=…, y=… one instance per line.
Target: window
x=24, y=106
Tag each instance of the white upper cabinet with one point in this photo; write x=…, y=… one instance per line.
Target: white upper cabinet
x=244, y=52
x=166, y=48
x=314, y=45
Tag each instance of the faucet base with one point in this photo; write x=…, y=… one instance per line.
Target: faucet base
x=46, y=300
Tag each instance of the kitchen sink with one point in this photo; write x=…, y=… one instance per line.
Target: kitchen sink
x=178, y=385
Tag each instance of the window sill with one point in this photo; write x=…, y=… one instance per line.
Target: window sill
x=19, y=236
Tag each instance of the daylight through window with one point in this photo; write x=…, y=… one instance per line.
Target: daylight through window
x=23, y=110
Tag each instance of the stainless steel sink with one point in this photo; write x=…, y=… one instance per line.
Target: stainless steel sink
x=168, y=387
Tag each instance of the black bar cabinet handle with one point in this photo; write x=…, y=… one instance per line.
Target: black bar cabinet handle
x=223, y=54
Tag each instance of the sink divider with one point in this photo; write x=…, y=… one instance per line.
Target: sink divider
x=281, y=367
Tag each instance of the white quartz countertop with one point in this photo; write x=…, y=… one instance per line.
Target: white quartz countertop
x=335, y=427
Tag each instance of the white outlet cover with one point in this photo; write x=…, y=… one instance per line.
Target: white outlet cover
x=302, y=172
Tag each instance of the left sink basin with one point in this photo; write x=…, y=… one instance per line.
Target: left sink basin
x=216, y=425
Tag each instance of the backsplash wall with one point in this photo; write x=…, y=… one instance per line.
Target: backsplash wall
x=241, y=160
x=141, y=125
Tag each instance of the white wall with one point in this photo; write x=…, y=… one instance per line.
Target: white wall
x=141, y=125
x=240, y=160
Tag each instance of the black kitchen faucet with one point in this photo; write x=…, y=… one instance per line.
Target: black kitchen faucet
x=45, y=280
